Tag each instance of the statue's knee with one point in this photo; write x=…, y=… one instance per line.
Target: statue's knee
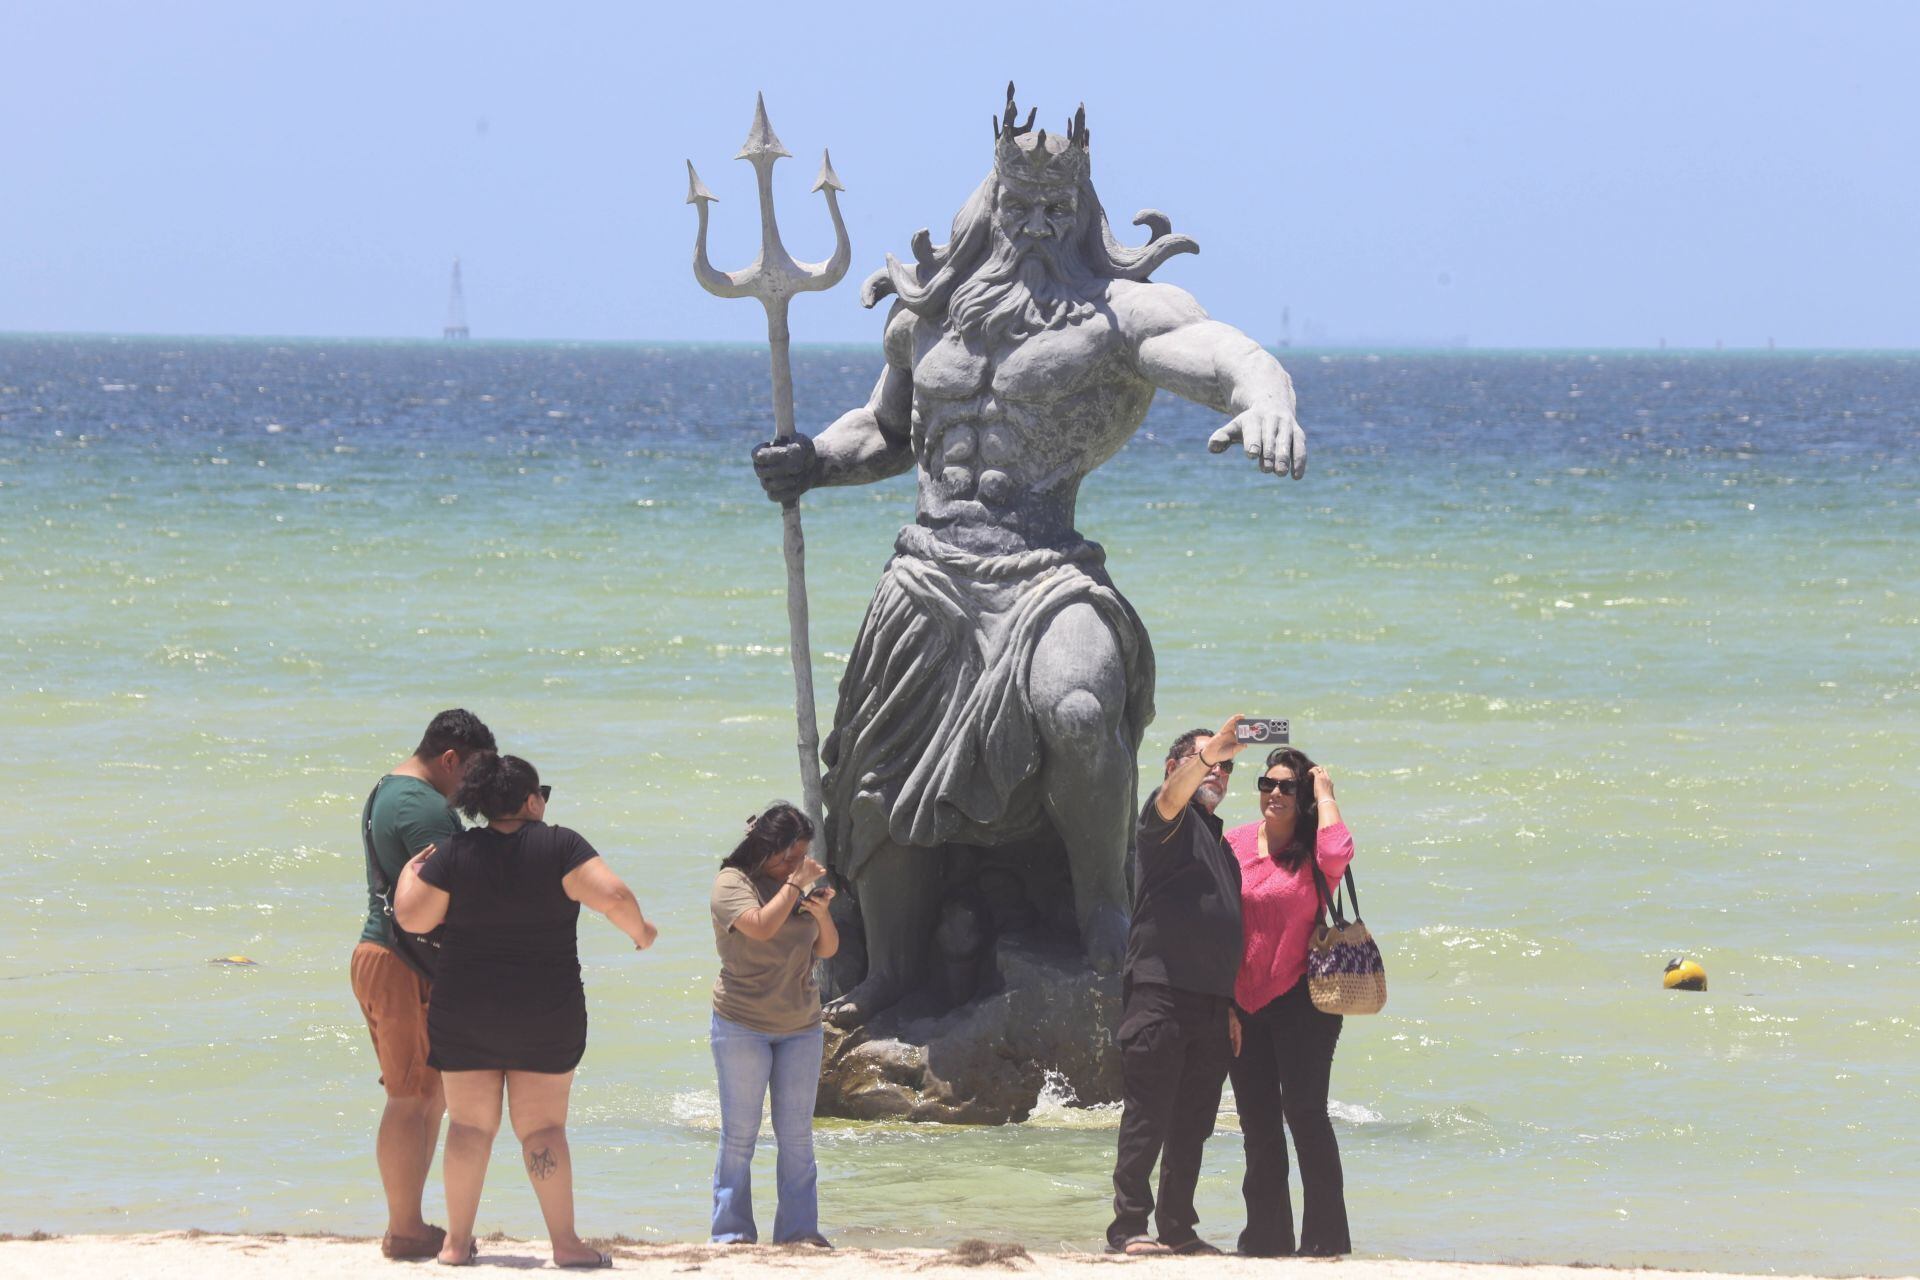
x=1080, y=716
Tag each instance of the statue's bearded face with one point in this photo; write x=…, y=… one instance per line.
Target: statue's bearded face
x=1032, y=276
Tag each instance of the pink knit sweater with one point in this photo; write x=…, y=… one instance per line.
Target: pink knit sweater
x=1278, y=909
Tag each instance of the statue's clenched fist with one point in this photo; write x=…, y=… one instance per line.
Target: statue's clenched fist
x=785, y=467
x=1273, y=440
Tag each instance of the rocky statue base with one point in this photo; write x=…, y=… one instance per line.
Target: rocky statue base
x=1041, y=1012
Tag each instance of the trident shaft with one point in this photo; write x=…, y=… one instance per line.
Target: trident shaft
x=774, y=277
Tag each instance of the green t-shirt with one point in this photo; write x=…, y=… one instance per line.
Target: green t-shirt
x=408, y=815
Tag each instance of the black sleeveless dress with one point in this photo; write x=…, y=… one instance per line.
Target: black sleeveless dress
x=506, y=993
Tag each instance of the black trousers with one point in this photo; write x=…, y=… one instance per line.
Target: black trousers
x=1281, y=1075
x=1173, y=1060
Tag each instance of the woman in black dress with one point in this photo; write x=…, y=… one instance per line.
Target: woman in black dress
x=507, y=1007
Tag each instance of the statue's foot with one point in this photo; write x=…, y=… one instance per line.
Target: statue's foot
x=1103, y=936
x=854, y=1009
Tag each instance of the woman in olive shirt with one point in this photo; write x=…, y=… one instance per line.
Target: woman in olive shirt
x=766, y=1021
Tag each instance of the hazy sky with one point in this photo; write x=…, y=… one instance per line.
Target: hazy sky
x=1514, y=174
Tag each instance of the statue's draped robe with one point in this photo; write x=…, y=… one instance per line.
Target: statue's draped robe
x=935, y=738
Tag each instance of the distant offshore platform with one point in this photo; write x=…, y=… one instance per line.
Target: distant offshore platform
x=456, y=309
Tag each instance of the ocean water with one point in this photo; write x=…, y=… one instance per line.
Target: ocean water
x=1613, y=657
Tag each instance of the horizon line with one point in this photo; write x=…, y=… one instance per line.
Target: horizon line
x=1358, y=347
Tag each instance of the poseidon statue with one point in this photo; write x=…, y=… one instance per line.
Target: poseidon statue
x=998, y=689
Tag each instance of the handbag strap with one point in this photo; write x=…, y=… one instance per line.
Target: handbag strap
x=1330, y=902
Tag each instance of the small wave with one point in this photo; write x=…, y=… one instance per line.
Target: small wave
x=1059, y=1107
x=696, y=1109
x=1352, y=1113
x=1453, y=1122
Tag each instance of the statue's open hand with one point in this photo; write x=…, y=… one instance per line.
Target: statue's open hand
x=1273, y=440
x=785, y=467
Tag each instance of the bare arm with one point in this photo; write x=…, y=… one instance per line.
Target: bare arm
x=1178, y=348
x=828, y=942
x=871, y=442
x=1187, y=776
x=763, y=921
x=866, y=444
x=593, y=884
x=417, y=905
x=1327, y=806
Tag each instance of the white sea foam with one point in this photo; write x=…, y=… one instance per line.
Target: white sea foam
x=1352, y=1113
x=1059, y=1107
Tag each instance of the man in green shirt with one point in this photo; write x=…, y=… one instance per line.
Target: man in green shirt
x=410, y=811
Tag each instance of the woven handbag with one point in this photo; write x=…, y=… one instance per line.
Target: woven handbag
x=1345, y=973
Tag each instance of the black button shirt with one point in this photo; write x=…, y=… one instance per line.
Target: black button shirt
x=1186, y=903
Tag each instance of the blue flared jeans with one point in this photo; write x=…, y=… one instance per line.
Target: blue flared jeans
x=750, y=1064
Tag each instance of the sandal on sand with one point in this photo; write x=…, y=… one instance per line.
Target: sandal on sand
x=412, y=1248
x=1139, y=1247
x=599, y=1260
x=473, y=1251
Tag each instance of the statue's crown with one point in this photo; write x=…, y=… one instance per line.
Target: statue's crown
x=1027, y=158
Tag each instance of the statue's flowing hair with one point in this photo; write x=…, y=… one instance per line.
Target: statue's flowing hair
x=990, y=287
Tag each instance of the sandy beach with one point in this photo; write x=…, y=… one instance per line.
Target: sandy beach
x=198, y=1255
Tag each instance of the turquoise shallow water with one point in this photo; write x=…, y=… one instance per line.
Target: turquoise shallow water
x=1614, y=658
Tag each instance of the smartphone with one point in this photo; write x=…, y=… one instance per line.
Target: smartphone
x=1273, y=732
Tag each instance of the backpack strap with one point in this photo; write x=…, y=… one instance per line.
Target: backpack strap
x=376, y=874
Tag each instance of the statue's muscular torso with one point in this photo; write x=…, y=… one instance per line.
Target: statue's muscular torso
x=1002, y=437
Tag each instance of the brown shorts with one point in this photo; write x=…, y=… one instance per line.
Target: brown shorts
x=394, y=999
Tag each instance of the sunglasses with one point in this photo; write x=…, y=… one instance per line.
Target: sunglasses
x=546, y=791
x=1285, y=786
x=1224, y=766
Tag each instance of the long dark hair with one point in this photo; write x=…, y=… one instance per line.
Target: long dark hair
x=495, y=786
x=1306, y=809
x=774, y=828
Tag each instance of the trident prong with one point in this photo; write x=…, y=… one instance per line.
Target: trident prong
x=774, y=277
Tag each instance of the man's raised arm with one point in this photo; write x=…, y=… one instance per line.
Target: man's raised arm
x=866, y=444
x=1178, y=348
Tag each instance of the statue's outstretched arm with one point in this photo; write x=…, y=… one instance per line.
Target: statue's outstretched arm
x=866, y=444
x=1180, y=349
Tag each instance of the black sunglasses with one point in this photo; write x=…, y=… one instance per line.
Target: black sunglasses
x=1285, y=786
x=546, y=791
x=1224, y=766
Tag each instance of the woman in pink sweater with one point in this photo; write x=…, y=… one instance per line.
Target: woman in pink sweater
x=1283, y=1046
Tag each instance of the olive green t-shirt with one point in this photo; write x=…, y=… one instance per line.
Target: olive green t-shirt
x=408, y=815
x=766, y=986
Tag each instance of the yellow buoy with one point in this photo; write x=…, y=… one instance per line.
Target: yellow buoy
x=232, y=960
x=1685, y=975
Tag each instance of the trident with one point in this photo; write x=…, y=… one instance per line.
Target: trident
x=774, y=278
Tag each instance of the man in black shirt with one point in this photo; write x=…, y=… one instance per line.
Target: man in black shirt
x=1182, y=956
